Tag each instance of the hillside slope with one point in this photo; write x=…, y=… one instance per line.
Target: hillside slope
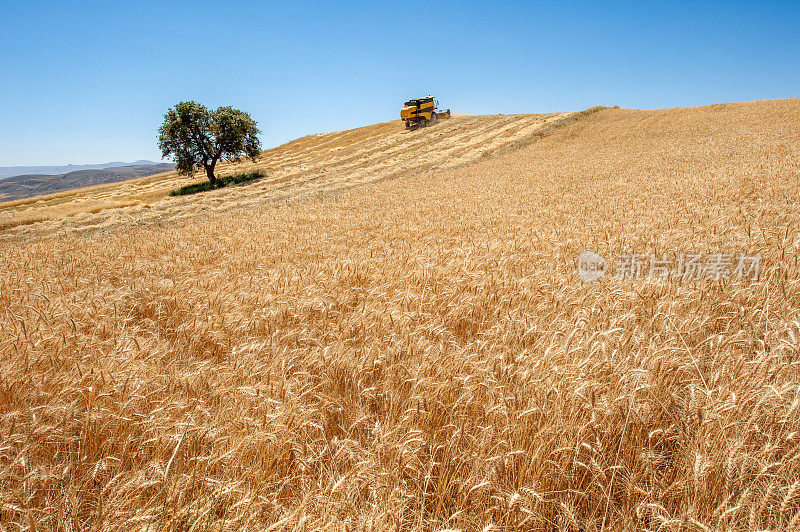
x=312, y=165
x=28, y=185
x=419, y=353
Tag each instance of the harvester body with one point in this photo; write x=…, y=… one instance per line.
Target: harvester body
x=421, y=112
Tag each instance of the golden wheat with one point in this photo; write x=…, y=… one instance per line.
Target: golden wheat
x=419, y=354
x=315, y=165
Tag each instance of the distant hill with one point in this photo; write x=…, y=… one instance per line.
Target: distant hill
x=26, y=186
x=10, y=171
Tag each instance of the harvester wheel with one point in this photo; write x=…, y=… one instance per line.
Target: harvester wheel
x=434, y=118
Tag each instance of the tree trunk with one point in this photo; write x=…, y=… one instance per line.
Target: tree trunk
x=210, y=174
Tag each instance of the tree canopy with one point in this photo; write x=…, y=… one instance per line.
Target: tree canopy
x=197, y=138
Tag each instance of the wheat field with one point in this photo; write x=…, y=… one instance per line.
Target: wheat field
x=313, y=166
x=368, y=340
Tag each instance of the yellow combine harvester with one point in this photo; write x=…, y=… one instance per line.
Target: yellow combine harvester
x=421, y=112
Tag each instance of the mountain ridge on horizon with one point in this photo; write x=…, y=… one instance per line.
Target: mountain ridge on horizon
x=30, y=185
x=13, y=171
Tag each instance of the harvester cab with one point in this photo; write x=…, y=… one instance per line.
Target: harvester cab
x=421, y=112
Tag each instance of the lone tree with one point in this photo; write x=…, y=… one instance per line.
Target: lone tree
x=197, y=138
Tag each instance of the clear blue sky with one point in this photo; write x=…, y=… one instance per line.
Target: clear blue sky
x=89, y=82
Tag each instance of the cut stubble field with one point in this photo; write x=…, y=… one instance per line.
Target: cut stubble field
x=417, y=352
x=313, y=166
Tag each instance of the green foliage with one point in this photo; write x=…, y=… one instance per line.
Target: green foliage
x=223, y=181
x=197, y=138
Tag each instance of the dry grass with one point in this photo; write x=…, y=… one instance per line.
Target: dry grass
x=419, y=354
